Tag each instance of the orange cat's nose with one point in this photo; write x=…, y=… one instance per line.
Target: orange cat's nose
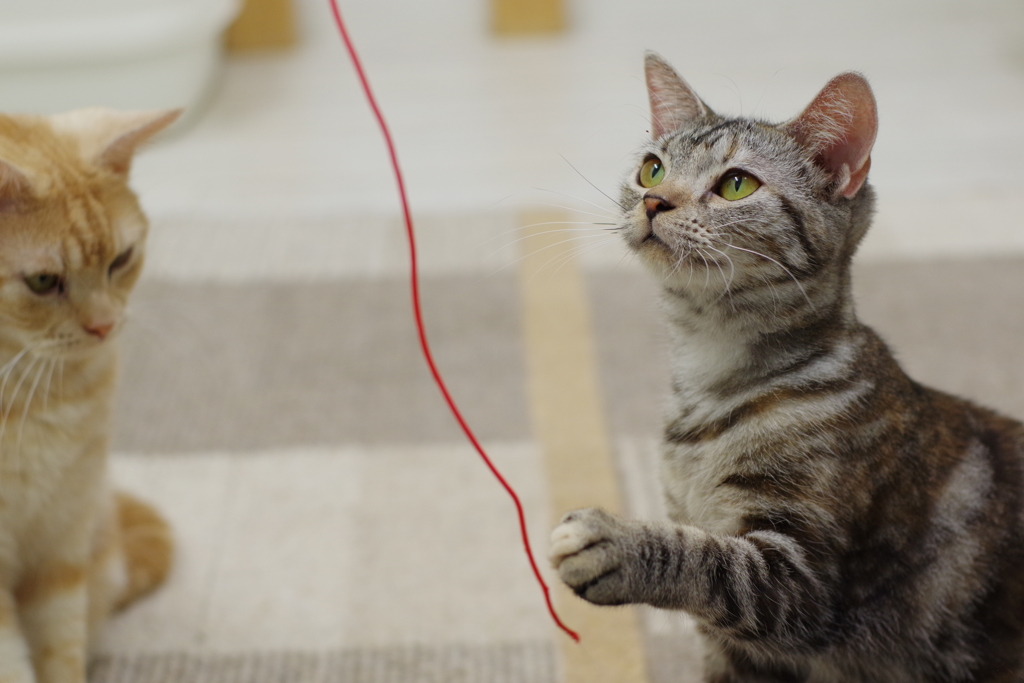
x=101, y=331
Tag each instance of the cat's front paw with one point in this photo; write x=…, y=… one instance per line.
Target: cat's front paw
x=591, y=550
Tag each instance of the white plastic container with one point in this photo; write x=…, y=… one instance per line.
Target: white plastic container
x=57, y=55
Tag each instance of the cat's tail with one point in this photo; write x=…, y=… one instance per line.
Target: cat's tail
x=147, y=547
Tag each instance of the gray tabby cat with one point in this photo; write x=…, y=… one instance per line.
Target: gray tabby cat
x=832, y=520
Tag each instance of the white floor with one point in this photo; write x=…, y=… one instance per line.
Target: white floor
x=308, y=549
x=480, y=123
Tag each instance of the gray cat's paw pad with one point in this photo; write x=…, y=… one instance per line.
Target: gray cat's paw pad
x=571, y=536
x=587, y=550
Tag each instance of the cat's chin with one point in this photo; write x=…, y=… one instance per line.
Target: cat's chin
x=648, y=245
x=666, y=261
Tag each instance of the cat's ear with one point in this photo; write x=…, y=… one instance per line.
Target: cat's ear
x=109, y=138
x=838, y=127
x=14, y=185
x=673, y=101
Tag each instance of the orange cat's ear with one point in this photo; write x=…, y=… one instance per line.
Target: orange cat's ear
x=673, y=101
x=838, y=127
x=14, y=185
x=109, y=138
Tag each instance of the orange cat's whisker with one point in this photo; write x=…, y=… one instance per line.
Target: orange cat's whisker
x=49, y=378
x=28, y=401
x=6, y=370
x=14, y=397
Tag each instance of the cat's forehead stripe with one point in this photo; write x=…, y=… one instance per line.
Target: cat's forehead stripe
x=702, y=137
x=713, y=148
x=89, y=231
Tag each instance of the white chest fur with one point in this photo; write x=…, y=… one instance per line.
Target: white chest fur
x=52, y=471
x=692, y=477
x=692, y=473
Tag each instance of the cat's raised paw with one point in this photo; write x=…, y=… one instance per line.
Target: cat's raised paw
x=589, y=548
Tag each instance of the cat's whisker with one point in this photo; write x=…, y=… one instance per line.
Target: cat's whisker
x=23, y=378
x=49, y=379
x=535, y=234
x=628, y=253
x=729, y=280
x=707, y=269
x=610, y=214
x=60, y=385
x=7, y=366
x=784, y=268
x=579, y=251
x=561, y=259
x=774, y=293
x=28, y=402
x=536, y=225
x=592, y=184
x=545, y=248
x=14, y=397
x=574, y=210
x=764, y=92
x=736, y=89
x=717, y=229
x=506, y=198
x=675, y=268
x=7, y=370
x=680, y=260
x=639, y=111
x=689, y=263
x=590, y=232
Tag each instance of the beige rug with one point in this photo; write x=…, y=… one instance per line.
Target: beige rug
x=332, y=523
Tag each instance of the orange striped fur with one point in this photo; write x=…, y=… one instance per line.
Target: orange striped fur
x=72, y=244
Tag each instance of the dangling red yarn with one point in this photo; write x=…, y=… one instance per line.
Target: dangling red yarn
x=414, y=279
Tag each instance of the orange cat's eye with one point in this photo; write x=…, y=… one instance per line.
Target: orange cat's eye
x=120, y=261
x=43, y=283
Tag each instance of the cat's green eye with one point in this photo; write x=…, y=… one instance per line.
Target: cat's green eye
x=652, y=172
x=43, y=283
x=737, y=185
x=120, y=261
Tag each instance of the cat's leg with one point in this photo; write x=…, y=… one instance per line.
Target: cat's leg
x=15, y=660
x=755, y=587
x=53, y=603
x=53, y=595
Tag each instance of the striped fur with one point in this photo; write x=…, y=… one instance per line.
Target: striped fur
x=832, y=520
x=69, y=550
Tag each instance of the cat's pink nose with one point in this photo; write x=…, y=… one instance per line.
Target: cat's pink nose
x=100, y=330
x=655, y=205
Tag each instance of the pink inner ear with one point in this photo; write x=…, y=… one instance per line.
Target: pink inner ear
x=673, y=101
x=13, y=185
x=839, y=128
x=118, y=155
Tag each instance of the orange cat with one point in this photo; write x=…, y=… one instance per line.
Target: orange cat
x=72, y=239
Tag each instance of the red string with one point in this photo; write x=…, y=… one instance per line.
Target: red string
x=419, y=317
